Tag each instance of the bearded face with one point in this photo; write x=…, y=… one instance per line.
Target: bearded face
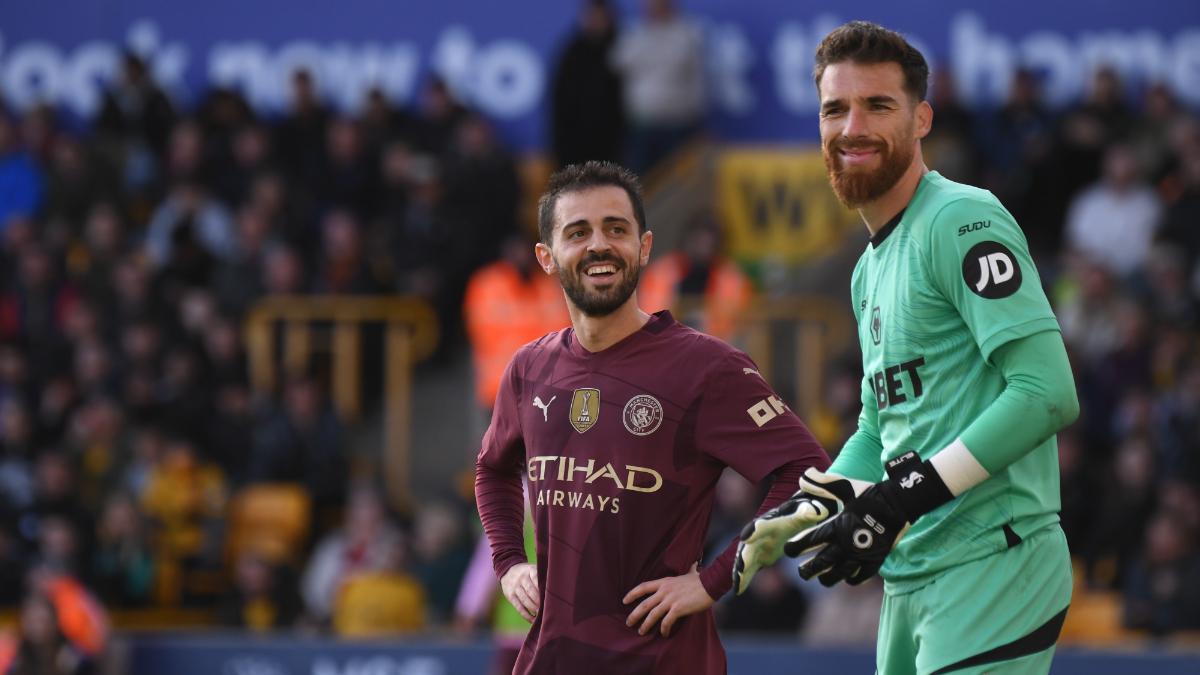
x=857, y=184
x=600, y=299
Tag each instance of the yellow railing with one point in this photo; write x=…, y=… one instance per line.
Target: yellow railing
x=410, y=335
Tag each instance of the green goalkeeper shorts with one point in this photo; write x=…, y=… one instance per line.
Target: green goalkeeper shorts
x=1000, y=614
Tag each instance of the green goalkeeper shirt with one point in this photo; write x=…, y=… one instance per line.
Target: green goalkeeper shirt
x=936, y=292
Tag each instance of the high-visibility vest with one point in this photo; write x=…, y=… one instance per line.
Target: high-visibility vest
x=726, y=294
x=504, y=311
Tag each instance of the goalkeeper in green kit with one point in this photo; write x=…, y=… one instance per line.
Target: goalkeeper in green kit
x=949, y=488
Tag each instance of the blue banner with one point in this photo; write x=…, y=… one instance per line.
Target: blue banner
x=156, y=655
x=499, y=55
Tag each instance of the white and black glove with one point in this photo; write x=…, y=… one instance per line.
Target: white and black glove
x=853, y=545
x=821, y=496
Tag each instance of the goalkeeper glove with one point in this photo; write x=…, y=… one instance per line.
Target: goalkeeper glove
x=854, y=545
x=821, y=496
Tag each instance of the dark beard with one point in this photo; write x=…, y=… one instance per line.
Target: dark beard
x=855, y=188
x=599, y=303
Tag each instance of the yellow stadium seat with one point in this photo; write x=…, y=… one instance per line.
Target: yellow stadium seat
x=271, y=520
x=374, y=604
x=1095, y=619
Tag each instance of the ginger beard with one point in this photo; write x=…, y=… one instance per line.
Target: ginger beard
x=597, y=302
x=856, y=186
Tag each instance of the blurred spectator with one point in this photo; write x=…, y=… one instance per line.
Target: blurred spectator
x=661, y=63
x=439, y=115
x=80, y=616
x=366, y=542
x=1121, y=512
x=238, y=280
x=845, y=615
x=509, y=303
x=1163, y=590
x=343, y=266
x=22, y=184
x=1114, y=221
x=1150, y=136
x=35, y=306
x=772, y=604
x=300, y=135
x=708, y=290
x=16, y=471
x=950, y=146
x=587, y=113
x=1088, y=129
x=480, y=195
x=282, y=271
x=380, y=603
x=1016, y=143
x=74, y=182
x=55, y=496
x=187, y=231
x=135, y=111
x=185, y=498
x=41, y=648
x=348, y=178
x=122, y=564
x=263, y=597
x=1183, y=212
x=443, y=553
x=301, y=442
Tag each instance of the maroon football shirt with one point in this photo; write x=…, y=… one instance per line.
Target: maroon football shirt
x=622, y=450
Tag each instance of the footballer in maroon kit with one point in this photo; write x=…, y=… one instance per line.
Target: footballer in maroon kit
x=622, y=425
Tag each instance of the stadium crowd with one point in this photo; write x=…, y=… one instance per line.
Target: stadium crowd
x=132, y=250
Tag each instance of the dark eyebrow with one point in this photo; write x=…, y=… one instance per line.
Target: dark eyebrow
x=871, y=100
x=607, y=219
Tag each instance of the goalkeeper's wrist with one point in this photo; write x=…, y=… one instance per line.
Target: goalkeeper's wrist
x=915, y=485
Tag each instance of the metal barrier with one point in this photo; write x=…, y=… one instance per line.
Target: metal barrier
x=410, y=336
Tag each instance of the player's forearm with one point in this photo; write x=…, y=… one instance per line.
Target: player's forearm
x=717, y=578
x=859, y=457
x=501, y=507
x=1038, y=400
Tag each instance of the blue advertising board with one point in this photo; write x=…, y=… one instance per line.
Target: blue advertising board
x=499, y=55
x=215, y=655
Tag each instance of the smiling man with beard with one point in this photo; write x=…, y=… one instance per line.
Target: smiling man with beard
x=949, y=488
x=622, y=424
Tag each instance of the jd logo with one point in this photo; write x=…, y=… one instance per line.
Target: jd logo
x=911, y=480
x=585, y=409
x=876, y=325
x=990, y=270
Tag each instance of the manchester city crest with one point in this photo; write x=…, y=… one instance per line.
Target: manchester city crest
x=643, y=415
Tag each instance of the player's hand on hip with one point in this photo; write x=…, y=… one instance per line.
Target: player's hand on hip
x=671, y=599
x=520, y=587
x=821, y=496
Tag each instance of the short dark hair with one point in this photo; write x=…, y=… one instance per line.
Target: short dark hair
x=869, y=43
x=584, y=176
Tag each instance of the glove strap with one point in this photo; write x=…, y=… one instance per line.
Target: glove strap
x=916, y=485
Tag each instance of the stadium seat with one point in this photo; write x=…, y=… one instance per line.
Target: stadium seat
x=272, y=520
x=379, y=603
x=1095, y=619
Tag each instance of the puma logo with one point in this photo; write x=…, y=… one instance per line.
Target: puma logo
x=537, y=401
